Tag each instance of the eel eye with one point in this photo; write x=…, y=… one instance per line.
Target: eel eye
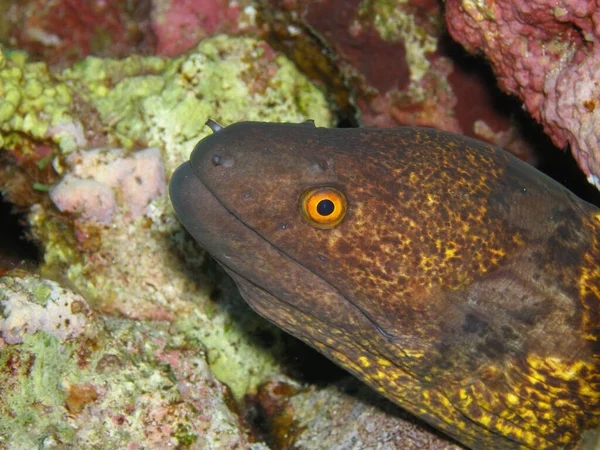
x=323, y=207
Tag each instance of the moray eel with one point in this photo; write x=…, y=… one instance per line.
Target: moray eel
x=453, y=278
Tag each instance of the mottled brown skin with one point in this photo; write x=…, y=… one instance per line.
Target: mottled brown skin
x=462, y=284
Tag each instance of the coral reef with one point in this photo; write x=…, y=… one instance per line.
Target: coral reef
x=386, y=59
x=546, y=53
x=33, y=105
x=62, y=32
x=65, y=31
x=97, y=178
x=104, y=382
x=31, y=304
x=333, y=418
x=389, y=63
x=181, y=24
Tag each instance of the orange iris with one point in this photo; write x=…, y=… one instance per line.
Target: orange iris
x=323, y=207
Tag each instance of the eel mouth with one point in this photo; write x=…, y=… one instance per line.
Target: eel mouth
x=244, y=252
x=252, y=259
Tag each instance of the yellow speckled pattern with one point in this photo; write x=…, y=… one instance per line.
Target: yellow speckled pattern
x=462, y=284
x=589, y=286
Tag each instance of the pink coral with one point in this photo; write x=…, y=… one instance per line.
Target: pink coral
x=180, y=24
x=547, y=52
x=102, y=182
x=93, y=201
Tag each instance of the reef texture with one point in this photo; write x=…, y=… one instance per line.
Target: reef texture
x=72, y=379
x=31, y=304
x=390, y=63
x=348, y=416
x=181, y=24
x=384, y=62
x=548, y=54
x=64, y=31
x=98, y=178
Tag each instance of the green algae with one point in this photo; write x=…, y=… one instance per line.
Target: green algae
x=230, y=349
x=31, y=101
x=59, y=244
x=165, y=102
x=37, y=290
x=117, y=88
x=32, y=397
x=158, y=101
x=133, y=370
x=185, y=435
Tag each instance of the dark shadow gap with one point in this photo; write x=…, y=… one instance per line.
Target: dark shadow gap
x=15, y=248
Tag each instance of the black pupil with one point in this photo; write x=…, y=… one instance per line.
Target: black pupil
x=325, y=207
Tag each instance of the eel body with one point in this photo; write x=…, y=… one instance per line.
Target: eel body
x=456, y=280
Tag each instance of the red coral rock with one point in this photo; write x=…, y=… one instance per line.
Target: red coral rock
x=64, y=31
x=180, y=24
x=360, y=44
x=547, y=53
